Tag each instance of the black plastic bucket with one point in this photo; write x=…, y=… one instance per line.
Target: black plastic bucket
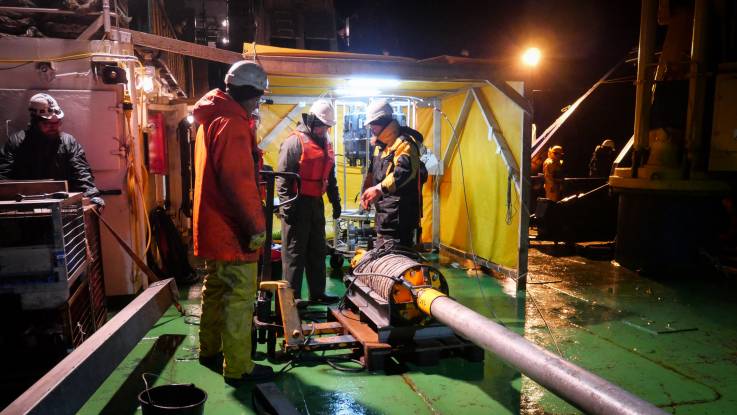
x=180, y=399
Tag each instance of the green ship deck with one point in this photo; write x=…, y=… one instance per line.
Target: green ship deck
x=673, y=343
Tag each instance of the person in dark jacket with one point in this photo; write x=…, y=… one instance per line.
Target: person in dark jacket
x=43, y=151
x=602, y=159
x=395, y=178
x=307, y=151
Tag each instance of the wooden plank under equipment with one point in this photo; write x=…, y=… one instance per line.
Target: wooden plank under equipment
x=374, y=352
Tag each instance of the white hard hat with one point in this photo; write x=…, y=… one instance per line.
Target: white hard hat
x=45, y=106
x=248, y=73
x=324, y=111
x=378, y=109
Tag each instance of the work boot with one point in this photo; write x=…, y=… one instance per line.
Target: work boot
x=325, y=299
x=301, y=304
x=260, y=373
x=214, y=362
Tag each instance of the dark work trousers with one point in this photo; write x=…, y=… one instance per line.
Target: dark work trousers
x=303, y=246
x=397, y=219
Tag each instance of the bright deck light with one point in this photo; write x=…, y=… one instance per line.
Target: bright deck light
x=373, y=83
x=147, y=84
x=358, y=92
x=531, y=57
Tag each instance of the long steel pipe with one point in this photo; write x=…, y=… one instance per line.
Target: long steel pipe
x=582, y=389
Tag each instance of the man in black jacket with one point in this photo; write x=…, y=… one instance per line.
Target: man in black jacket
x=395, y=178
x=602, y=159
x=43, y=151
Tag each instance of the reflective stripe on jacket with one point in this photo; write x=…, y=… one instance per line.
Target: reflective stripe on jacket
x=397, y=169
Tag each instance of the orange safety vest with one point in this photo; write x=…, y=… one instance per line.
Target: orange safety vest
x=315, y=165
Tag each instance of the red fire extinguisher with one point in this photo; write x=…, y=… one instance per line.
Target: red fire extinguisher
x=157, y=144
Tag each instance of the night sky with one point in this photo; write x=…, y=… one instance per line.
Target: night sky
x=580, y=41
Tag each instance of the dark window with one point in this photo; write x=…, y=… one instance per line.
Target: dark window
x=283, y=42
x=317, y=44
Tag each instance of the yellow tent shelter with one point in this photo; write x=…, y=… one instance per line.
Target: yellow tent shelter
x=472, y=121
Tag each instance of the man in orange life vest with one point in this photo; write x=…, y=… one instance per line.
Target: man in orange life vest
x=308, y=152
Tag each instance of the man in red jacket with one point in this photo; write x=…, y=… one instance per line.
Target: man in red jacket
x=229, y=221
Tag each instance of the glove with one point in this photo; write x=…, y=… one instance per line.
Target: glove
x=256, y=241
x=336, y=210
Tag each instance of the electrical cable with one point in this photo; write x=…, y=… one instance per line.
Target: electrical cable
x=331, y=361
x=341, y=303
x=63, y=58
x=543, y=282
x=468, y=223
x=555, y=342
x=510, y=211
x=56, y=59
x=77, y=74
x=16, y=66
x=291, y=363
x=473, y=253
x=136, y=179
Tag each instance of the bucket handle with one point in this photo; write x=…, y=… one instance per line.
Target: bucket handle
x=145, y=382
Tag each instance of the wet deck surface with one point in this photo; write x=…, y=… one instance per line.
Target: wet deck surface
x=671, y=343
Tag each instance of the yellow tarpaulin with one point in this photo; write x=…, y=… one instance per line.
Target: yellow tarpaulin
x=425, y=127
x=270, y=116
x=476, y=188
x=485, y=217
x=266, y=50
